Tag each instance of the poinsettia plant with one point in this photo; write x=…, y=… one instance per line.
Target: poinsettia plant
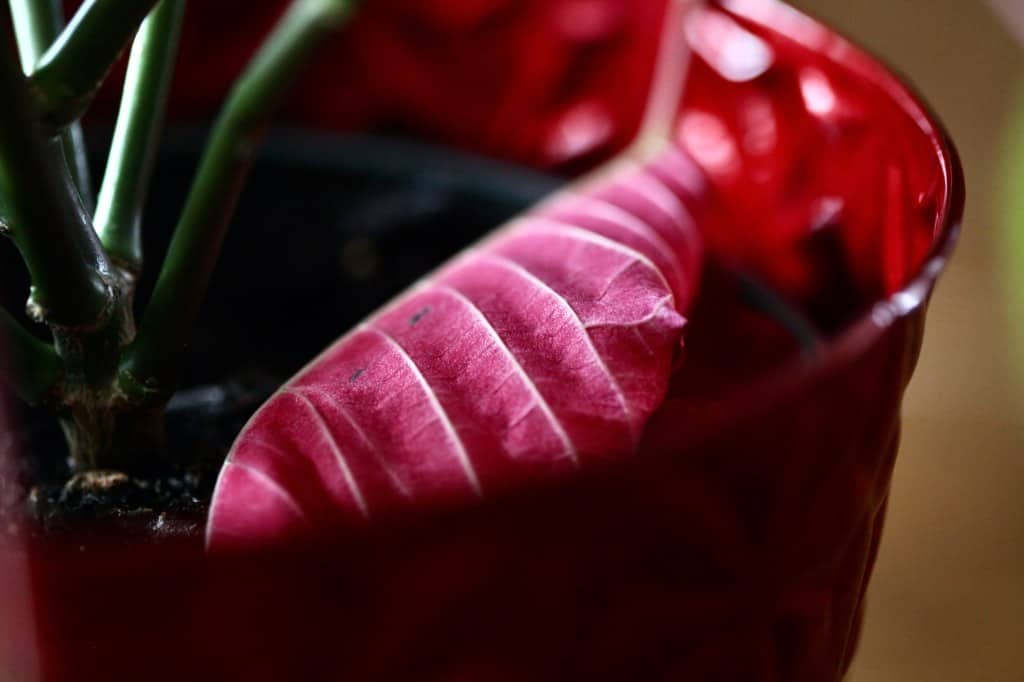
x=735, y=542
x=106, y=376
x=541, y=350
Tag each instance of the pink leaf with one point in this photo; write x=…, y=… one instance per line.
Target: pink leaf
x=541, y=350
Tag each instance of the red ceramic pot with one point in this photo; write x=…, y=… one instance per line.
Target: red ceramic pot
x=739, y=545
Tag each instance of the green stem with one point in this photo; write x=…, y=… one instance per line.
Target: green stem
x=130, y=164
x=152, y=362
x=31, y=367
x=69, y=270
x=72, y=141
x=73, y=68
x=37, y=23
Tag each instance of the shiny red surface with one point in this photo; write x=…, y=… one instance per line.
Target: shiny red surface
x=740, y=545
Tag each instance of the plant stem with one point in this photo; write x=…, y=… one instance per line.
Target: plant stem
x=37, y=23
x=31, y=367
x=73, y=68
x=152, y=362
x=761, y=297
x=671, y=72
x=69, y=270
x=130, y=163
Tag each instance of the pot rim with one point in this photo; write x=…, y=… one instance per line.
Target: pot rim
x=868, y=328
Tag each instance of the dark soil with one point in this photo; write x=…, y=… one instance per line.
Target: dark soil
x=201, y=424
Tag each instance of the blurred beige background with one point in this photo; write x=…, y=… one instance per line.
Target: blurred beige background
x=947, y=599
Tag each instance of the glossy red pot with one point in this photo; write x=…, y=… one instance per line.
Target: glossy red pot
x=739, y=546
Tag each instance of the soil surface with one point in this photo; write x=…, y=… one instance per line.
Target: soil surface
x=201, y=423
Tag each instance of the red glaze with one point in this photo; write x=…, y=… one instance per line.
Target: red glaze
x=19, y=655
x=739, y=544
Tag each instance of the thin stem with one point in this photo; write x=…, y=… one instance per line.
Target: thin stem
x=130, y=164
x=761, y=297
x=671, y=72
x=37, y=23
x=73, y=68
x=46, y=219
x=31, y=368
x=152, y=363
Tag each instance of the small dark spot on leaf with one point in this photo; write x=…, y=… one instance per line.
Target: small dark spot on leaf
x=356, y=374
x=419, y=316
